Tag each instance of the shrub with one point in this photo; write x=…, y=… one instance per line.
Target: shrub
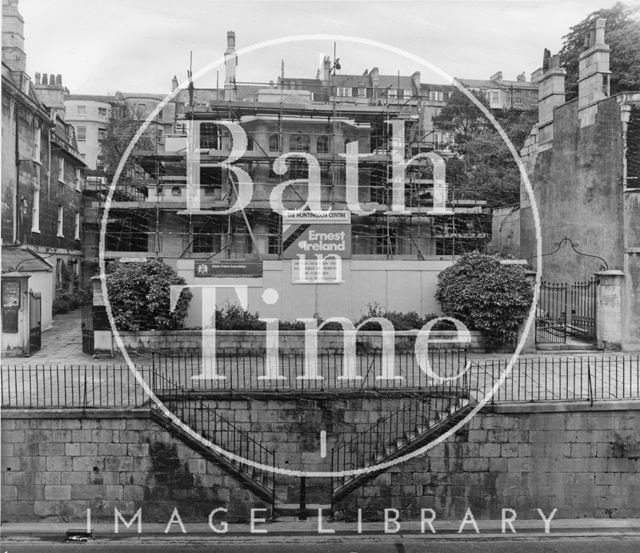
x=139, y=296
x=410, y=320
x=486, y=295
x=59, y=306
x=234, y=317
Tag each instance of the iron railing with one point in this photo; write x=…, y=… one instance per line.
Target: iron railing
x=532, y=379
x=401, y=429
x=56, y=386
x=246, y=371
x=559, y=378
x=212, y=426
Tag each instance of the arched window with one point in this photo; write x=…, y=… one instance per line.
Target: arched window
x=300, y=143
x=274, y=143
x=322, y=145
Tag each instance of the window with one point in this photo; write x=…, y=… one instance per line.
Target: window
x=392, y=93
x=76, y=226
x=408, y=94
x=342, y=91
x=102, y=133
x=436, y=96
x=300, y=143
x=249, y=144
x=61, y=169
x=102, y=112
x=78, y=179
x=37, y=143
x=297, y=169
x=160, y=115
x=322, y=145
x=362, y=92
x=159, y=135
x=209, y=136
x=81, y=109
x=60, y=221
x=141, y=110
x=206, y=238
x=35, y=210
x=274, y=143
x=81, y=134
x=100, y=163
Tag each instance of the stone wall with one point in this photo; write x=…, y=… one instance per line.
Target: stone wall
x=56, y=464
x=519, y=458
x=245, y=341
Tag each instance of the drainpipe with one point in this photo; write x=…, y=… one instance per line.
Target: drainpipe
x=16, y=208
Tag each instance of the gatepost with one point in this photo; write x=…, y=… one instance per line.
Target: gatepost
x=609, y=310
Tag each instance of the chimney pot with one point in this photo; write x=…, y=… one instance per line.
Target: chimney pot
x=59, y=79
x=52, y=79
x=600, y=26
x=45, y=79
x=37, y=78
x=231, y=40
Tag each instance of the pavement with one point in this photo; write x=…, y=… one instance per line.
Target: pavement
x=310, y=530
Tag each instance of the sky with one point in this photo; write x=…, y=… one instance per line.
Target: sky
x=103, y=46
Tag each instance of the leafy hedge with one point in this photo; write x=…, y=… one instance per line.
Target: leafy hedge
x=486, y=295
x=234, y=317
x=139, y=296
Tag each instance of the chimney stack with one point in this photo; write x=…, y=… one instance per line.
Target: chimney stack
x=13, y=53
x=551, y=93
x=593, y=73
x=174, y=83
x=325, y=69
x=497, y=77
x=230, y=64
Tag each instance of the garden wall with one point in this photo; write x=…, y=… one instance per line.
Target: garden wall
x=252, y=341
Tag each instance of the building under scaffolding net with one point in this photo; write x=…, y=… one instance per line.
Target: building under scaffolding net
x=148, y=215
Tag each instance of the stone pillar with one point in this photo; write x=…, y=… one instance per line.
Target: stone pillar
x=102, y=338
x=529, y=345
x=609, y=309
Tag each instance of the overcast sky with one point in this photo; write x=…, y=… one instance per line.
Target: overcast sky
x=101, y=46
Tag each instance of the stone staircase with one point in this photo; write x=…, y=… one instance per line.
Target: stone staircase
x=413, y=425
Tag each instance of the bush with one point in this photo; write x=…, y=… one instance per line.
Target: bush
x=59, y=306
x=234, y=317
x=486, y=295
x=410, y=320
x=139, y=295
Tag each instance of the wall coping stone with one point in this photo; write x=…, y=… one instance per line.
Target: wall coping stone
x=564, y=406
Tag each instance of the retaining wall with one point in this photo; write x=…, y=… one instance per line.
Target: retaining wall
x=56, y=464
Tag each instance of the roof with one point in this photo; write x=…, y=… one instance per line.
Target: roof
x=90, y=97
x=23, y=260
x=487, y=83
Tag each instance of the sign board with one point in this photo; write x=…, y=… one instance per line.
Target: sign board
x=311, y=234
x=310, y=271
x=10, y=305
x=228, y=268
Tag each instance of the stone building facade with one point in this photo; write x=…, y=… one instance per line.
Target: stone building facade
x=42, y=172
x=583, y=161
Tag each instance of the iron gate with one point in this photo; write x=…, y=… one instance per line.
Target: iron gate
x=35, y=322
x=566, y=311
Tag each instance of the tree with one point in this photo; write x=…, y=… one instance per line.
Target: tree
x=139, y=295
x=623, y=36
x=461, y=116
x=486, y=295
x=122, y=127
x=484, y=167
